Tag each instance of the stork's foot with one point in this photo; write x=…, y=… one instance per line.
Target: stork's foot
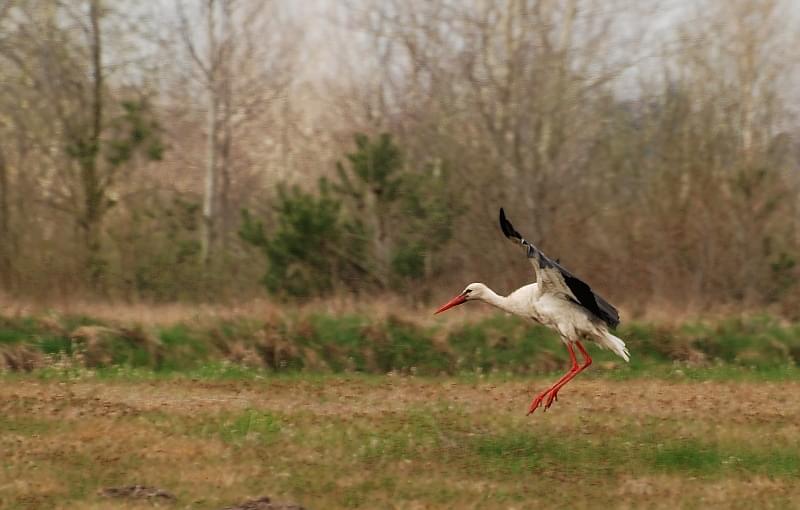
x=537, y=401
x=546, y=397
x=552, y=396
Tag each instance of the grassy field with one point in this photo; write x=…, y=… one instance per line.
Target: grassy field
x=360, y=410
x=377, y=441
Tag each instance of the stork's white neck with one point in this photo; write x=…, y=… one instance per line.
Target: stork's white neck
x=520, y=302
x=502, y=302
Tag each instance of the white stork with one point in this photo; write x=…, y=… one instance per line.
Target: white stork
x=559, y=301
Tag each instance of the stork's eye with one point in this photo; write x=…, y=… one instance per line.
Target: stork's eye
x=467, y=291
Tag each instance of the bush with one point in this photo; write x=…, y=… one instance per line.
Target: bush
x=309, y=249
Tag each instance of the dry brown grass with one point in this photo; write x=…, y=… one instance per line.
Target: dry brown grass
x=171, y=313
x=666, y=313
x=390, y=442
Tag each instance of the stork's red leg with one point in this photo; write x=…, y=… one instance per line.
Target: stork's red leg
x=574, y=369
x=587, y=360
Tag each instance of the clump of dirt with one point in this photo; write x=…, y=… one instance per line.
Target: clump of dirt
x=264, y=503
x=137, y=492
x=376, y=339
x=241, y=353
x=688, y=354
x=98, y=344
x=20, y=357
x=51, y=324
x=275, y=351
x=95, y=343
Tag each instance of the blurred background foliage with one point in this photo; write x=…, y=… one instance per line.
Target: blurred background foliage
x=192, y=151
x=374, y=227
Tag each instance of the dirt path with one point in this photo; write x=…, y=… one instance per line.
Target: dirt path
x=734, y=402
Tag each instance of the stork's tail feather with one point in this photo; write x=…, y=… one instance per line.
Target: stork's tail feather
x=616, y=345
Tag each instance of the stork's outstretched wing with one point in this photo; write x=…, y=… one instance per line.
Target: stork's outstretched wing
x=553, y=278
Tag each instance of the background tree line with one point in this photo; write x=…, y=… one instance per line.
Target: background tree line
x=211, y=149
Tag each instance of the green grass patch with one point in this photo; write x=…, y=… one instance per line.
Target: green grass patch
x=26, y=426
x=503, y=448
x=52, y=344
x=183, y=347
x=13, y=330
x=709, y=458
x=251, y=426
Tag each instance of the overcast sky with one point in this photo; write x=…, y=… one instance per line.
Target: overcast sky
x=331, y=50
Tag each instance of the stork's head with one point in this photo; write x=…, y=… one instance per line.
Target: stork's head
x=473, y=291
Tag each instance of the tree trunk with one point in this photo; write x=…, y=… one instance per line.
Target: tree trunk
x=380, y=243
x=225, y=177
x=209, y=190
x=93, y=190
x=5, y=242
x=209, y=193
x=226, y=129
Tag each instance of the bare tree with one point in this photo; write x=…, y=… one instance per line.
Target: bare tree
x=243, y=62
x=65, y=110
x=53, y=65
x=508, y=93
x=5, y=255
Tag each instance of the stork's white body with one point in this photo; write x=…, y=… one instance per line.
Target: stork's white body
x=558, y=300
x=572, y=321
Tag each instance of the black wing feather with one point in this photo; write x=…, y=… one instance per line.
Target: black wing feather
x=583, y=293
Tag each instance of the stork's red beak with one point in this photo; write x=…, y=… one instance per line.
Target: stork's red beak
x=461, y=298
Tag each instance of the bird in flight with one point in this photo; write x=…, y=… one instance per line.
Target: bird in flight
x=558, y=300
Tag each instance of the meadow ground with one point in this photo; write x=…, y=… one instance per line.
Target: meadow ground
x=378, y=441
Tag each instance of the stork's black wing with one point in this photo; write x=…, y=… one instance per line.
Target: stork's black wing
x=554, y=278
